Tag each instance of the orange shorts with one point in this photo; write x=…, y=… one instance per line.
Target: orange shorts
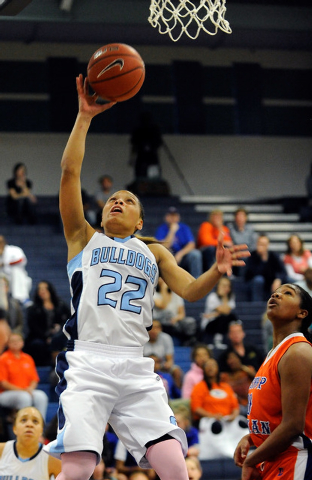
x=288, y=466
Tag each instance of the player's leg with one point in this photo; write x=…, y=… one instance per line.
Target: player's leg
x=167, y=459
x=77, y=465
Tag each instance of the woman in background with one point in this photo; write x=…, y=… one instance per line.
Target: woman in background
x=297, y=259
x=21, y=202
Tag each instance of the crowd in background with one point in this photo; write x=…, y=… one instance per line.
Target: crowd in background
x=223, y=363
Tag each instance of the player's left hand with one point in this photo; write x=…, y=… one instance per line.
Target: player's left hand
x=230, y=257
x=250, y=473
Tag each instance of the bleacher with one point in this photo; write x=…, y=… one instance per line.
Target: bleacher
x=45, y=249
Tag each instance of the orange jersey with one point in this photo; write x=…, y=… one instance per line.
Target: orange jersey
x=18, y=371
x=265, y=402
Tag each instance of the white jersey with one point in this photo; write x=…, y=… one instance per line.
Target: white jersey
x=13, y=468
x=112, y=285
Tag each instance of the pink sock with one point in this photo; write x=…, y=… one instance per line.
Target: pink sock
x=166, y=458
x=77, y=465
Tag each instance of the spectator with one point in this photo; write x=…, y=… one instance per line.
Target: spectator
x=13, y=312
x=248, y=354
x=178, y=237
x=264, y=271
x=296, y=259
x=171, y=389
x=89, y=207
x=4, y=331
x=24, y=456
x=183, y=418
x=138, y=476
x=208, y=234
x=45, y=318
x=145, y=142
x=21, y=202
x=267, y=333
x=212, y=398
x=169, y=309
x=161, y=344
x=200, y=354
x=13, y=262
x=102, y=195
x=126, y=464
x=219, y=312
x=19, y=378
x=239, y=376
x=194, y=469
x=242, y=232
x=100, y=473
x=306, y=283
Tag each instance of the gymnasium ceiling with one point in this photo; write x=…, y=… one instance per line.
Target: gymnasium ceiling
x=256, y=24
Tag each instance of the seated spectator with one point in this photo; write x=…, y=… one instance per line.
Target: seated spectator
x=194, y=469
x=242, y=232
x=219, y=312
x=12, y=263
x=12, y=308
x=248, y=354
x=19, y=378
x=5, y=331
x=169, y=309
x=267, y=333
x=100, y=473
x=161, y=344
x=21, y=202
x=126, y=464
x=24, y=455
x=89, y=207
x=207, y=237
x=167, y=379
x=306, y=282
x=239, y=376
x=200, y=354
x=297, y=259
x=183, y=417
x=212, y=398
x=178, y=237
x=102, y=195
x=264, y=271
x=45, y=318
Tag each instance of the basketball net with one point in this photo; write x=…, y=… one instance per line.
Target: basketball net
x=176, y=17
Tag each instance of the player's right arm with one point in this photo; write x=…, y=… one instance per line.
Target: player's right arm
x=77, y=231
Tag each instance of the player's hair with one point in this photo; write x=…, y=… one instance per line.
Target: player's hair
x=305, y=304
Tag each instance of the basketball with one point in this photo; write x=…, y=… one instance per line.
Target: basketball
x=116, y=72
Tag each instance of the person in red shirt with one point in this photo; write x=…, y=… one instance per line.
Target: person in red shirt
x=208, y=234
x=280, y=396
x=19, y=378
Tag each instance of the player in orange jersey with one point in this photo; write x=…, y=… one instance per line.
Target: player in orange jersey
x=280, y=396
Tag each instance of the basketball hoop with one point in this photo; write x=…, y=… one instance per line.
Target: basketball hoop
x=176, y=17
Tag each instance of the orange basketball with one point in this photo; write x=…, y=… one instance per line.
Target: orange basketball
x=116, y=72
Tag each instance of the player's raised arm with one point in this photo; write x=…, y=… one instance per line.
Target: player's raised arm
x=77, y=231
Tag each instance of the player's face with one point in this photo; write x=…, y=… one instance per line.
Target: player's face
x=285, y=304
x=28, y=424
x=122, y=214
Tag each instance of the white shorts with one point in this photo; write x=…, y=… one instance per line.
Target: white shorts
x=102, y=384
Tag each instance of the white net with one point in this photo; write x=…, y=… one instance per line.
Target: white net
x=176, y=17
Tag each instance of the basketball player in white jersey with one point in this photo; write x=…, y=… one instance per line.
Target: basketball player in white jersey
x=23, y=458
x=103, y=374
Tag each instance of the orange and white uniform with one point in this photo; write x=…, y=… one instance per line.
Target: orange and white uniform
x=265, y=414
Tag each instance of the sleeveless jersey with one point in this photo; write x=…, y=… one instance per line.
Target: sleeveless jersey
x=112, y=285
x=12, y=468
x=264, y=398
